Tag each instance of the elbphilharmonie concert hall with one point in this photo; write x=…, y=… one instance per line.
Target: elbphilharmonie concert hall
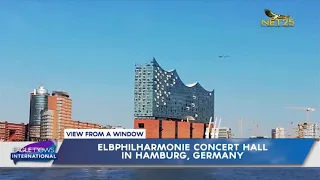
x=162, y=100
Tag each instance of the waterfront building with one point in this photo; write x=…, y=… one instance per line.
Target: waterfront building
x=278, y=132
x=161, y=94
x=308, y=130
x=48, y=125
x=73, y=124
x=221, y=132
x=64, y=111
x=168, y=108
x=51, y=114
x=38, y=103
x=12, y=131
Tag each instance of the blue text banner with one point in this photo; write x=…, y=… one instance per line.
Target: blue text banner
x=184, y=151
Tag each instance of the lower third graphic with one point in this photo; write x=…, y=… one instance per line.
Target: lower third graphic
x=43, y=151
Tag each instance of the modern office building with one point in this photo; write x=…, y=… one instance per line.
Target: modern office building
x=308, y=130
x=38, y=103
x=48, y=125
x=51, y=114
x=63, y=110
x=160, y=94
x=167, y=107
x=278, y=132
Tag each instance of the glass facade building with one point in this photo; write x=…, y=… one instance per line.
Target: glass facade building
x=38, y=103
x=160, y=94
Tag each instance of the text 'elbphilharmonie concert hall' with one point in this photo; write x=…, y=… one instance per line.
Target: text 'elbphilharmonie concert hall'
x=166, y=107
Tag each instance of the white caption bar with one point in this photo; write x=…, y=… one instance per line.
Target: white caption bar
x=104, y=134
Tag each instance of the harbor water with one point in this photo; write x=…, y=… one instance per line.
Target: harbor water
x=161, y=174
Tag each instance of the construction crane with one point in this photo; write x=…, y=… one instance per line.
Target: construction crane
x=307, y=110
x=241, y=127
x=254, y=129
x=213, y=128
x=216, y=128
x=289, y=132
x=208, y=129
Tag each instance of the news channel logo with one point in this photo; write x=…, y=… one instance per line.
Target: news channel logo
x=276, y=20
x=43, y=151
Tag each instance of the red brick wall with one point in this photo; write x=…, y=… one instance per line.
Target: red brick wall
x=169, y=129
x=183, y=130
x=198, y=130
x=151, y=126
x=17, y=129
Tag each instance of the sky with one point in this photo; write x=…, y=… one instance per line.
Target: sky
x=89, y=49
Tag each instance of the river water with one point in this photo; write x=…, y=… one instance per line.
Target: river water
x=161, y=174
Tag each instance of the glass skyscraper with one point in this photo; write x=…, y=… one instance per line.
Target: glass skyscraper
x=38, y=103
x=160, y=94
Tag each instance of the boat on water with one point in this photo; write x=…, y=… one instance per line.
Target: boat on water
x=259, y=137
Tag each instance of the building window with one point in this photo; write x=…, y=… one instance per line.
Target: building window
x=141, y=125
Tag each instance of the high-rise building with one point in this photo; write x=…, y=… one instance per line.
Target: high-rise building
x=48, y=114
x=63, y=111
x=51, y=114
x=38, y=103
x=308, y=130
x=48, y=125
x=161, y=94
x=166, y=107
x=278, y=132
x=49, y=120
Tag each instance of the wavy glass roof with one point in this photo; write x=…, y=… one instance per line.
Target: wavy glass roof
x=174, y=71
x=162, y=94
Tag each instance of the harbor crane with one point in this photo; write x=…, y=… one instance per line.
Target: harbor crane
x=254, y=129
x=307, y=110
x=291, y=130
x=241, y=127
x=213, y=128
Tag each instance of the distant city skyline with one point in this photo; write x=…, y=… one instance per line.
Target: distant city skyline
x=89, y=49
